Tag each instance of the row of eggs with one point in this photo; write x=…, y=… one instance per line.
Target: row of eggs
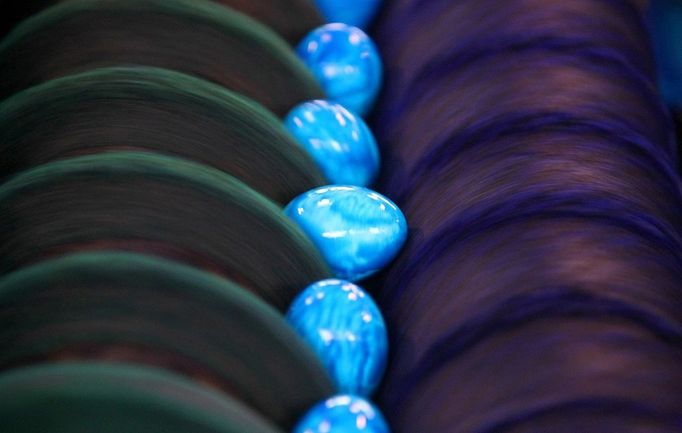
x=358, y=231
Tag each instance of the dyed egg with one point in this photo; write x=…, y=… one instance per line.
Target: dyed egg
x=339, y=141
x=358, y=231
x=358, y=13
x=345, y=328
x=346, y=63
x=665, y=25
x=343, y=414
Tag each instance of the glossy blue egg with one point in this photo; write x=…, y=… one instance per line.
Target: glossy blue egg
x=339, y=141
x=358, y=231
x=343, y=414
x=358, y=13
x=345, y=328
x=346, y=63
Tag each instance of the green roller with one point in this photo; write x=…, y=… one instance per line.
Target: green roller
x=197, y=37
x=161, y=205
x=155, y=110
x=141, y=309
x=114, y=398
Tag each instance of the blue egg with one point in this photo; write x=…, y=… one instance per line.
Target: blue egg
x=339, y=141
x=346, y=63
x=345, y=328
x=343, y=414
x=665, y=24
x=358, y=13
x=358, y=231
